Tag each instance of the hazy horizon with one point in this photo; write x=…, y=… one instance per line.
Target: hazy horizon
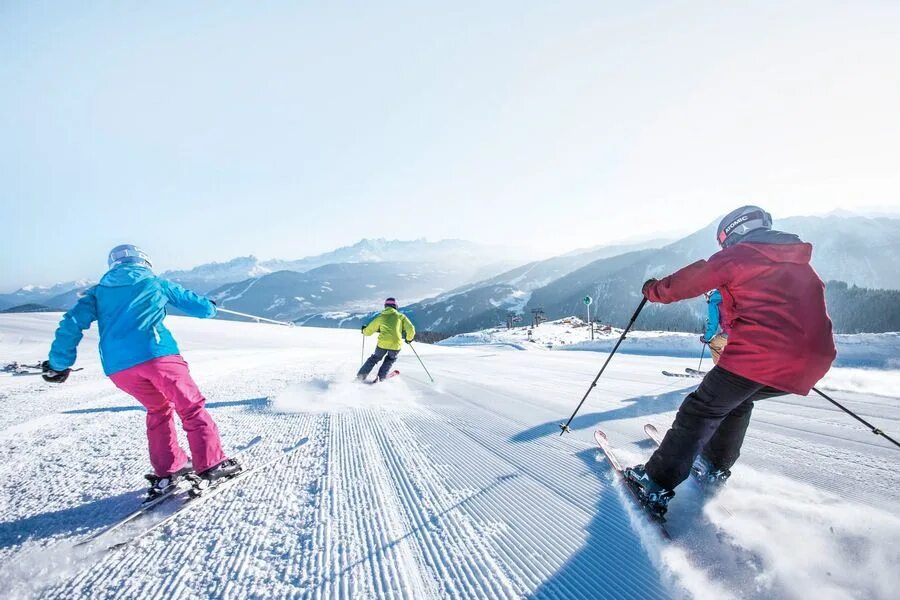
x=527, y=254
x=204, y=133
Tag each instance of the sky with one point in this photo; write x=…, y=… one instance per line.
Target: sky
x=208, y=130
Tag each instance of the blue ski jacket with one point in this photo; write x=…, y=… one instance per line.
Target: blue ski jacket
x=129, y=305
x=713, y=315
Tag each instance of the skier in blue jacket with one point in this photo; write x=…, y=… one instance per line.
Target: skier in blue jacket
x=141, y=358
x=716, y=327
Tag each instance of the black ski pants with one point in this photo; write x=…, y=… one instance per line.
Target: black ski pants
x=713, y=420
x=389, y=356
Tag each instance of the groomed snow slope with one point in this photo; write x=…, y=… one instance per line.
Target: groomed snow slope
x=460, y=489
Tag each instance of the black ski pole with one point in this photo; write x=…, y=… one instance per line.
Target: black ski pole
x=702, y=352
x=362, y=355
x=565, y=427
x=420, y=362
x=874, y=429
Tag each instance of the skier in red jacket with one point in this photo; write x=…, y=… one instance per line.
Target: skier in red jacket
x=780, y=342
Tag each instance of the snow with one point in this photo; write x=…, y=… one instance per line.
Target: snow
x=336, y=315
x=32, y=292
x=459, y=489
x=872, y=350
x=867, y=381
x=279, y=301
x=514, y=302
x=517, y=300
x=237, y=269
x=336, y=393
x=222, y=300
x=548, y=335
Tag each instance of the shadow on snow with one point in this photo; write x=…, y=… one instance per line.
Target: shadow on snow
x=609, y=564
x=613, y=561
x=84, y=517
x=637, y=407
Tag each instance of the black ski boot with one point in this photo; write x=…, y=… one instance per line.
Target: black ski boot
x=707, y=474
x=654, y=497
x=211, y=477
x=163, y=485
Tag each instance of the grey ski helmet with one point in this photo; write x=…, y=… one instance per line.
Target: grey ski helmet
x=127, y=253
x=740, y=222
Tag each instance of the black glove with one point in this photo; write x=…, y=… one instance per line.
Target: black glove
x=362, y=329
x=703, y=340
x=52, y=376
x=647, y=284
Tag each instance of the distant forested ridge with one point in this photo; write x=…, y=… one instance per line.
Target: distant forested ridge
x=862, y=310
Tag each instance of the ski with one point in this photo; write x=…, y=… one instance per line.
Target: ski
x=18, y=369
x=671, y=374
x=653, y=433
x=604, y=444
x=211, y=492
x=180, y=485
x=695, y=372
x=393, y=373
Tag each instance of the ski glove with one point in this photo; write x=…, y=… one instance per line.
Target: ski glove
x=646, y=285
x=52, y=376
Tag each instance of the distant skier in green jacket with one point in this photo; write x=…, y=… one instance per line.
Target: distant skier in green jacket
x=392, y=327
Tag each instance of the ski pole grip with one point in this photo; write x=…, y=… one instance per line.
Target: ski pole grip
x=637, y=312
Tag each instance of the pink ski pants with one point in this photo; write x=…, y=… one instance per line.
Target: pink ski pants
x=163, y=385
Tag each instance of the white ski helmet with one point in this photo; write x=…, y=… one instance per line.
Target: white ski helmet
x=127, y=253
x=740, y=222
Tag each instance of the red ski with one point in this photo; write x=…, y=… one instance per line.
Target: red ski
x=393, y=373
x=604, y=444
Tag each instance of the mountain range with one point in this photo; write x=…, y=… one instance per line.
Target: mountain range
x=337, y=288
x=353, y=277
x=857, y=250
x=462, y=260
x=454, y=286
x=60, y=295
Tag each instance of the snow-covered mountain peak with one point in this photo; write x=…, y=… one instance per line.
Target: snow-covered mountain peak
x=438, y=257
x=210, y=275
x=36, y=291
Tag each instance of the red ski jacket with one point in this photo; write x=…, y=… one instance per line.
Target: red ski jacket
x=774, y=304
